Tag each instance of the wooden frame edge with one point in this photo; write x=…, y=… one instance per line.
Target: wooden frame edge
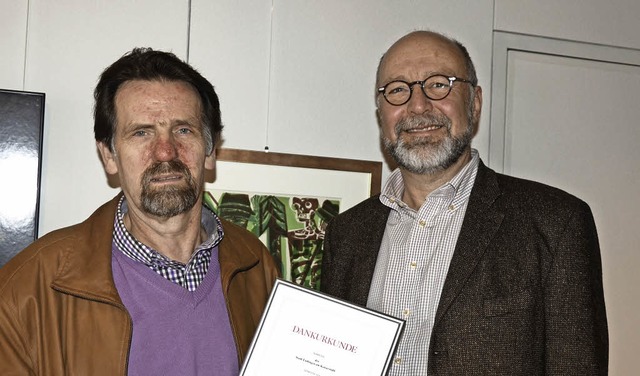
x=305, y=161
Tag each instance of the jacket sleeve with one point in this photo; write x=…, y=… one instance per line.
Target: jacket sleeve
x=576, y=324
x=14, y=352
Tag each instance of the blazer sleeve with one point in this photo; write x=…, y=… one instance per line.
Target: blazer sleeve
x=575, y=318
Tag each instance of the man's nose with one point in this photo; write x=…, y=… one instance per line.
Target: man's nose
x=165, y=149
x=419, y=103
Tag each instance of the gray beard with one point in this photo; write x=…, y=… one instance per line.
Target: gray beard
x=168, y=201
x=422, y=155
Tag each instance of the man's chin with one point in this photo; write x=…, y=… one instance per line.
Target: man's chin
x=418, y=149
x=425, y=158
x=167, y=209
x=168, y=202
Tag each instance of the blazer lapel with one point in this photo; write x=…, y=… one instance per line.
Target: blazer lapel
x=478, y=228
x=366, y=252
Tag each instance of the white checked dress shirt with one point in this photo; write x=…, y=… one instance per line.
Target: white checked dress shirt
x=413, y=261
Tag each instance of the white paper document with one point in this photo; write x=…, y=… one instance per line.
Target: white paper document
x=304, y=332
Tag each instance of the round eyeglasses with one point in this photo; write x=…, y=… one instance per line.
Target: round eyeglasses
x=435, y=87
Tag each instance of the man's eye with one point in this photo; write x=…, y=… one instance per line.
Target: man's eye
x=140, y=133
x=397, y=90
x=439, y=85
x=184, y=131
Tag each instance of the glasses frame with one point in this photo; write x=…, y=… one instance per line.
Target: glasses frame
x=452, y=79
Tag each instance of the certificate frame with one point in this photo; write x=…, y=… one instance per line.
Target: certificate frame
x=303, y=331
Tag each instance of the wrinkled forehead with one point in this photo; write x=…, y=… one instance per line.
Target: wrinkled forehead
x=419, y=54
x=157, y=96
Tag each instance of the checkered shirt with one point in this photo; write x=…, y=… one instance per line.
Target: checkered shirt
x=187, y=275
x=413, y=261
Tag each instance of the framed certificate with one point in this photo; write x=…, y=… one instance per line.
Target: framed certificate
x=305, y=332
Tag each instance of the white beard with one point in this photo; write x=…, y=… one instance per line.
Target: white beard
x=421, y=155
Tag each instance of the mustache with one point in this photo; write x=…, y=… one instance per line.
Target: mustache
x=421, y=121
x=174, y=166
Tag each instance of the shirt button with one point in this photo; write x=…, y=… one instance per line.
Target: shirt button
x=397, y=360
x=413, y=264
x=451, y=207
x=422, y=223
x=406, y=312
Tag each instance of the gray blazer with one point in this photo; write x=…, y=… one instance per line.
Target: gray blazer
x=523, y=294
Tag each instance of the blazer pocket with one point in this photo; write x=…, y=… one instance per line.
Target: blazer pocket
x=503, y=305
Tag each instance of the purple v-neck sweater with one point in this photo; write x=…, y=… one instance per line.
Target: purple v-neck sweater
x=175, y=331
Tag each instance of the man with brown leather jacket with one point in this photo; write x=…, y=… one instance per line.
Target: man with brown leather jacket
x=153, y=282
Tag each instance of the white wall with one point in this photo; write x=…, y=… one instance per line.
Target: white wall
x=612, y=22
x=13, y=34
x=297, y=76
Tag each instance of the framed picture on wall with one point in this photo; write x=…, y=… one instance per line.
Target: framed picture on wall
x=287, y=200
x=21, y=127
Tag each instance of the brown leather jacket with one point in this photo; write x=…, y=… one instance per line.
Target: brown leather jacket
x=60, y=313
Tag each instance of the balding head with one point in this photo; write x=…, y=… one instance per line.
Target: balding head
x=429, y=39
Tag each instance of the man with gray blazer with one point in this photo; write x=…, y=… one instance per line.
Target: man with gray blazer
x=493, y=274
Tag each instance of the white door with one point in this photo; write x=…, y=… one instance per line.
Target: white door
x=568, y=114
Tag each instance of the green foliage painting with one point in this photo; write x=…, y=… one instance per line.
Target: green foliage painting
x=292, y=228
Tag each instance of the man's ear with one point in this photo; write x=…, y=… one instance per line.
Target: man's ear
x=378, y=118
x=210, y=160
x=477, y=107
x=108, y=158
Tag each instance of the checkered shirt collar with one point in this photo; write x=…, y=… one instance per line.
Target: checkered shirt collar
x=188, y=275
x=458, y=188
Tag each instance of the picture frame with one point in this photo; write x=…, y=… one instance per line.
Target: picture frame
x=287, y=200
x=21, y=132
